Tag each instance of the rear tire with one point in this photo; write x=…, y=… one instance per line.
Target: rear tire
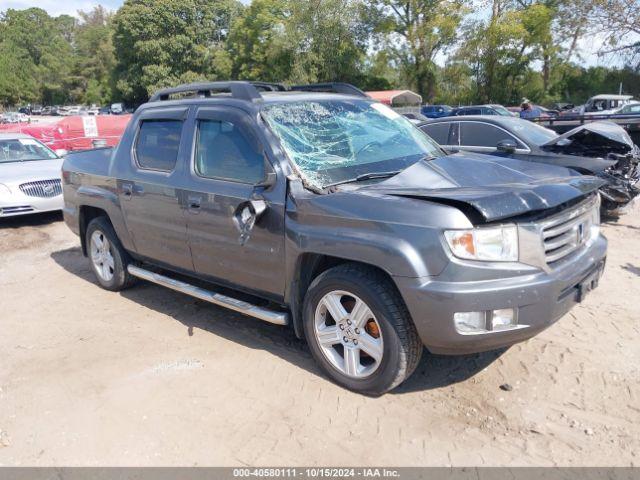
x=107, y=257
x=374, y=346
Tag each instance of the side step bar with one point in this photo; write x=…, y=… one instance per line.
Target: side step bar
x=271, y=316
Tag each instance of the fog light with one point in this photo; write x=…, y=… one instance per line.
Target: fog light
x=502, y=319
x=470, y=322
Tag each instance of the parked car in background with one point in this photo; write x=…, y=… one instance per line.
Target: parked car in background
x=562, y=106
x=10, y=117
x=333, y=214
x=598, y=148
x=36, y=110
x=482, y=110
x=604, y=104
x=117, y=108
x=415, y=118
x=29, y=176
x=436, y=111
x=628, y=109
x=63, y=111
x=47, y=111
x=73, y=110
x=104, y=111
x=25, y=110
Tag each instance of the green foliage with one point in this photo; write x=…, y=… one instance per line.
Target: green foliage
x=164, y=42
x=443, y=49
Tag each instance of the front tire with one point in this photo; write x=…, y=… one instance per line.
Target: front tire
x=108, y=258
x=359, y=329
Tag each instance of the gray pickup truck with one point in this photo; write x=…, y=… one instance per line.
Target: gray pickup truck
x=318, y=208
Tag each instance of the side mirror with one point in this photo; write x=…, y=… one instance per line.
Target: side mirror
x=506, y=146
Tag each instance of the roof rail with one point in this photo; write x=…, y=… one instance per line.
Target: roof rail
x=336, y=87
x=239, y=90
x=269, y=87
x=251, y=90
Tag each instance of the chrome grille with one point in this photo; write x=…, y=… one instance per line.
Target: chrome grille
x=42, y=188
x=566, y=232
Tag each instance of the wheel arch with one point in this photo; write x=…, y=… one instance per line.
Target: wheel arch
x=308, y=266
x=86, y=214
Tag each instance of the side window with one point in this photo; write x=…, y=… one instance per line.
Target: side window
x=157, y=144
x=481, y=135
x=223, y=151
x=438, y=131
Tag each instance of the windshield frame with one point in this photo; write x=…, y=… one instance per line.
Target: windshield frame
x=435, y=150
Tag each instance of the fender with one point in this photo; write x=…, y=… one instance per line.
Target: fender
x=106, y=198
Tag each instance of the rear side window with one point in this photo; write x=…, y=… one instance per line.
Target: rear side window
x=481, y=135
x=223, y=151
x=438, y=131
x=158, y=143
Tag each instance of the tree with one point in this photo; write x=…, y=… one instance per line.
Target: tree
x=292, y=41
x=95, y=59
x=619, y=21
x=165, y=42
x=37, y=54
x=257, y=42
x=415, y=32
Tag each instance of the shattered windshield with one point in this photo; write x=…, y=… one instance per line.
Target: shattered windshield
x=337, y=140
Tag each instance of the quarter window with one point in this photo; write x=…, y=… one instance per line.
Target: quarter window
x=158, y=143
x=223, y=151
x=482, y=135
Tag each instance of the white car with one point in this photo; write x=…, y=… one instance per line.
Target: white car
x=605, y=104
x=30, y=179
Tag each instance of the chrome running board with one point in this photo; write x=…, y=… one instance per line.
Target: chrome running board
x=271, y=316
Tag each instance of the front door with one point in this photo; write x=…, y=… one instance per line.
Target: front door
x=149, y=190
x=227, y=169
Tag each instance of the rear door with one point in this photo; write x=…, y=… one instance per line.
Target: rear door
x=226, y=170
x=149, y=190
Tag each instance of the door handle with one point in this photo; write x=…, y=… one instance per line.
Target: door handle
x=194, y=202
x=127, y=190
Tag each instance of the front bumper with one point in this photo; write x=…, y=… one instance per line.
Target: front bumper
x=15, y=205
x=541, y=298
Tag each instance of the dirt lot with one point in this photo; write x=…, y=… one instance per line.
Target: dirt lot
x=153, y=377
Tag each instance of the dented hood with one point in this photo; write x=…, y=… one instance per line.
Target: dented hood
x=593, y=139
x=497, y=188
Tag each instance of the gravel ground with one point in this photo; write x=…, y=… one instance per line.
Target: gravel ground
x=152, y=377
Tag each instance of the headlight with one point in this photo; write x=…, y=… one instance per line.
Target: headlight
x=4, y=190
x=491, y=244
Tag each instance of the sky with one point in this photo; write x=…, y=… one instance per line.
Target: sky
x=588, y=46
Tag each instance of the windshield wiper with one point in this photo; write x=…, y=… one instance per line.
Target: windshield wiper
x=365, y=176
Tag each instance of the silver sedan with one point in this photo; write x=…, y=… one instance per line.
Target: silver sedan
x=30, y=179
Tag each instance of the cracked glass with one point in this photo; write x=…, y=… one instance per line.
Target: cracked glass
x=337, y=140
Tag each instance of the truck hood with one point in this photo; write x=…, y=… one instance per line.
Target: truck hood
x=497, y=188
x=595, y=139
x=22, y=172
